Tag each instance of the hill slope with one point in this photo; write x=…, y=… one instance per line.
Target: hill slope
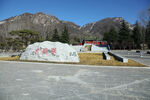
x=45, y=24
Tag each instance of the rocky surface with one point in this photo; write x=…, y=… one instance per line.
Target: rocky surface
x=40, y=22
x=100, y=27
x=50, y=51
x=45, y=25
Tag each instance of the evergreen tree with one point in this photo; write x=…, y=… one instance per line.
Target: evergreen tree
x=55, y=36
x=130, y=41
x=124, y=35
x=47, y=38
x=22, y=38
x=113, y=35
x=106, y=37
x=2, y=42
x=65, y=36
x=76, y=41
x=137, y=36
x=147, y=38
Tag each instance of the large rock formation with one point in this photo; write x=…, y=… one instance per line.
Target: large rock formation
x=39, y=22
x=50, y=51
x=45, y=25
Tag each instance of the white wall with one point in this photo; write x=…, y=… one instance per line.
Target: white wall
x=94, y=48
x=77, y=48
x=99, y=49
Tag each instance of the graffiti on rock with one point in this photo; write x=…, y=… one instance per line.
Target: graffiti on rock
x=50, y=51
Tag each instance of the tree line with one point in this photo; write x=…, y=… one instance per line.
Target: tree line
x=126, y=38
x=20, y=39
x=64, y=37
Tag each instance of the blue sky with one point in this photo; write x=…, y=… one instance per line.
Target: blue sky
x=78, y=11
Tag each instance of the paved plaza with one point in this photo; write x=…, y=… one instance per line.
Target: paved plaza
x=39, y=81
x=142, y=57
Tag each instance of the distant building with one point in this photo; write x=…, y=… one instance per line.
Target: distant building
x=94, y=42
x=92, y=45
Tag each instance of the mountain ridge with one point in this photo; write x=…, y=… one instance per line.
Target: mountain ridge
x=45, y=24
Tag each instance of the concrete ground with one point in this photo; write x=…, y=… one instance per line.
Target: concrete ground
x=141, y=58
x=39, y=81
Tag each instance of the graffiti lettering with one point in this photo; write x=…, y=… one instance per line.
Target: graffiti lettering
x=41, y=48
x=44, y=51
x=53, y=51
x=73, y=54
x=32, y=53
x=37, y=50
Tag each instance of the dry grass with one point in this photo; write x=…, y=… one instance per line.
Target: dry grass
x=97, y=59
x=86, y=59
x=10, y=58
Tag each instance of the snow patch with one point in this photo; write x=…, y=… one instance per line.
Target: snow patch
x=92, y=25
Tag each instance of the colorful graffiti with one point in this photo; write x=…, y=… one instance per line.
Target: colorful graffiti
x=52, y=51
x=46, y=51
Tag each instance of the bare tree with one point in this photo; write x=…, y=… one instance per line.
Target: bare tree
x=144, y=18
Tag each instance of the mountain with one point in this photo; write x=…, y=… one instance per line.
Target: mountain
x=39, y=22
x=100, y=27
x=45, y=25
